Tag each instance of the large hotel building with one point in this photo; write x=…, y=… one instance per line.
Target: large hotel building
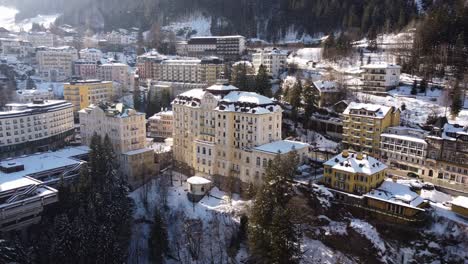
x=37, y=126
x=220, y=131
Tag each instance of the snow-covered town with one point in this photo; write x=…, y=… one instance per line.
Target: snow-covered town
x=178, y=131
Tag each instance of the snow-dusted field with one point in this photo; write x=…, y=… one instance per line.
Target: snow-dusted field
x=217, y=215
x=7, y=19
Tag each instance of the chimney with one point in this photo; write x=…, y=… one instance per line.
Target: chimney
x=359, y=156
x=345, y=153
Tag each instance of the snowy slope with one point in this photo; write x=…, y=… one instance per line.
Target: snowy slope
x=7, y=20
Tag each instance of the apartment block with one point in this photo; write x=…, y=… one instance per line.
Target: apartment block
x=126, y=129
x=85, y=69
x=220, y=131
x=404, y=149
x=364, y=123
x=161, y=125
x=31, y=95
x=182, y=70
x=273, y=60
x=379, y=78
x=56, y=64
x=226, y=47
x=116, y=72
x=448, y=157
x=36, y=126
x=91, y=54
x=84, y=93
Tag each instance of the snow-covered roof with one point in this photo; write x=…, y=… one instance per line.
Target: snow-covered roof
x=326, y=86
x=353, y=164
x=405, y=138
x=157, y=116
x=246, y=63
x=37, y=163
x=137, y=151
x=247, y=97
x=452, y=131
x=281, y=146
x=396, y=193
x=380, y=110
x=381, y=66
x=197, y=180
x=461, y=201
x=222, y=87
x=194, y=93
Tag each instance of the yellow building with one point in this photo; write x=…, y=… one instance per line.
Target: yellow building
x=364, y=123
x=86, y=92
x=220, y=131
x=353, y=172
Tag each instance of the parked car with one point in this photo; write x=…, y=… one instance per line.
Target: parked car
x=428, y=186
x=412, y=175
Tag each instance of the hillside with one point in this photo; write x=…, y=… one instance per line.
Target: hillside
x=271, y=20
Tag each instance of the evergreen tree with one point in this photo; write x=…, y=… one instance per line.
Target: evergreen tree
x=138, y=100
x=165, y=99
x=239, y=76
x=295, y=99
x=158, y=241
x=262, y=82
x=310, y=103
x=154, y=105
x=275, y=241
x=457, y=100
x=423, y=86
x=414, y=88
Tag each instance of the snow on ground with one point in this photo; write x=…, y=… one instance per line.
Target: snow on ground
x=416, y=112
x=316, y=252
x=56, y=87
x=195, y=22
x=368, y=231
x=7, y=20
x=304, y=57
x=319, y=141
x=215, y=215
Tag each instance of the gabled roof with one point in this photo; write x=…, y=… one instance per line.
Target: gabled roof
x=351, y=163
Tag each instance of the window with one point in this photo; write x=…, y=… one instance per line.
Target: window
x=258, y=161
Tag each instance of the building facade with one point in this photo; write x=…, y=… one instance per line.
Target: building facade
x=274, y=61
x=161, y=125
x=353, y=172
x=447, y=156
x=328, y=92
x=379, y=78
x=222, y=132
x=93, y=55
x=85, y=69
x=36, y=126
x=84, y=93
x=27, y=184
x=56, y=64
x=116, y=72
x=30, y=95
x=364, y=123
x=226, y=47
x=404, y=149
x=126, y=129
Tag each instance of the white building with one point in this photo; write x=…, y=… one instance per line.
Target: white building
x=25, y=184
x=404, y=148
x=15, y=47
x=380, y=78
x=40, y=39
x=56, y=64
x=274, y=60
x=30, y=95
x=161, y=125
x=91, y=55
x=34, y=126
x=222, y=46
x=222, y=132
x=126, y=129
x=116, y=72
